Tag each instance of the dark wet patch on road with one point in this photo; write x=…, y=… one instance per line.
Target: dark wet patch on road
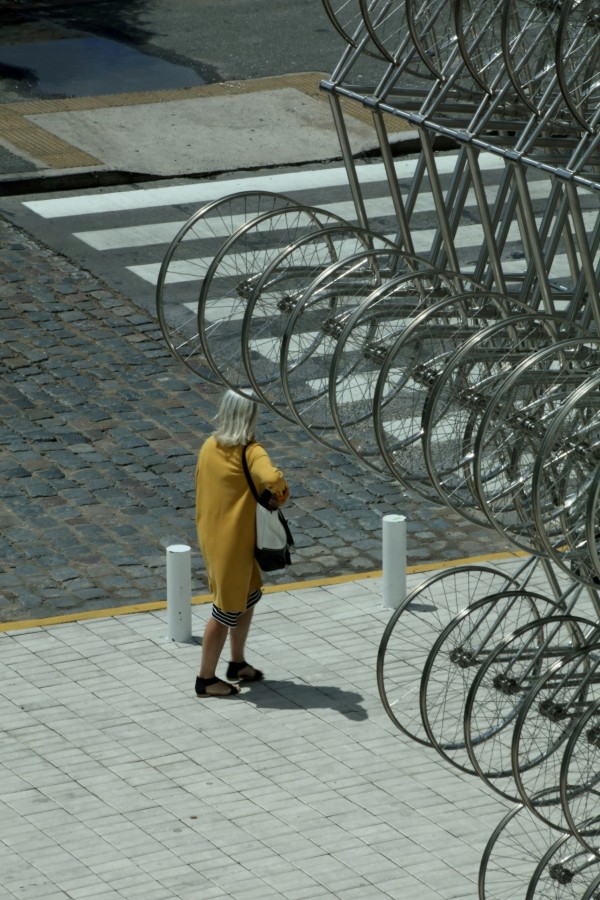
x=91, y=66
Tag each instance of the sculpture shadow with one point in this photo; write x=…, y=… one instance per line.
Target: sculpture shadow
x=273, y=694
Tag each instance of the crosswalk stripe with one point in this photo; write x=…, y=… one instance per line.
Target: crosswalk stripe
x=195, y=269
x=139, y=248
x=270, y=347
x=232, y=309
x=163, y=232
x=205, y=192
x=148, y=241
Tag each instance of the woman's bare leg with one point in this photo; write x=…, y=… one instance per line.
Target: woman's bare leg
x=213, y=642
x=239, y=634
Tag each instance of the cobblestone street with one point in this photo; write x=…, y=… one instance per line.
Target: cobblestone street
x=100, y=430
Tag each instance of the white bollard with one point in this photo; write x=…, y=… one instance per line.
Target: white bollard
x=179, y=593
x=394, y=561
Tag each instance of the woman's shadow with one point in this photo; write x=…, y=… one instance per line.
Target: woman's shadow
x=298, y=695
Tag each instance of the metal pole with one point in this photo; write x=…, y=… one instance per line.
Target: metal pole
x=394, y=561
x=353, y=182
x=179, y=593
x=405, y=235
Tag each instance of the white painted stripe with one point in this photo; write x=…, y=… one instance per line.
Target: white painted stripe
x=356, y=387
x=138, y=235
x=195, y=269
x=270, y=347
x=402, y=429
x=164, y=232
x=231, y=308
x=143, y=235
x=469, y=237
x=204, y=192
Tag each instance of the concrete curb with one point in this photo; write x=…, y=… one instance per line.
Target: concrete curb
x=109, y=612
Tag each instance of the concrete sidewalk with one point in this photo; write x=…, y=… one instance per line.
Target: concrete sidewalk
x=117, y=782
x=197, y=131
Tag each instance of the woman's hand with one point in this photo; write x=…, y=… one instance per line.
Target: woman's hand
x=269, y=500
x=272, y=501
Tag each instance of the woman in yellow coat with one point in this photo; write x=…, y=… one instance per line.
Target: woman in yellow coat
x=226, y=525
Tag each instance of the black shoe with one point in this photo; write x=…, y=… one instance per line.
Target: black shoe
x=236, y=671
x=203, y=683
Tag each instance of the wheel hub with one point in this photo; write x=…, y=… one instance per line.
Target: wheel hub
x=463, y=657
x=506, y=684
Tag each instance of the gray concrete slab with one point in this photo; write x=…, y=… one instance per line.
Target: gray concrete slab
x=119, y=783
x=203, y=129
x=245, y=131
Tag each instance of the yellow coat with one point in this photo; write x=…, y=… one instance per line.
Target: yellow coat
x=226, y=518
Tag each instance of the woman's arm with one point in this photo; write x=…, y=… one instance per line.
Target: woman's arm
x=266, y=476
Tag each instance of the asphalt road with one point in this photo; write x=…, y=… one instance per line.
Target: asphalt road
x=220, y=40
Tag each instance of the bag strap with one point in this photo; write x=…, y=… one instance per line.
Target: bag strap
x=263, y=499
x=248, y=475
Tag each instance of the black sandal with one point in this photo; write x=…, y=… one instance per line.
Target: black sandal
x=203, y=683
x=234, y=670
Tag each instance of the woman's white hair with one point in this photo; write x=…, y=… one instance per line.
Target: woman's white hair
x=235, y=420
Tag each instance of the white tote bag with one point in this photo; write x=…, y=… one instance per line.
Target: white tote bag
x=273, y=535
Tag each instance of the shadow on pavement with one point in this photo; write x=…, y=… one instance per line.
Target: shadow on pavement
x=292, y=695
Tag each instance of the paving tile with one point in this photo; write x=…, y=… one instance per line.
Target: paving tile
x=89, y=891
x=363, y=892
x=126, y=797
x=306, y=892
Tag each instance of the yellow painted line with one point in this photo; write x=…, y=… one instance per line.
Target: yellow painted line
x=82, y=616
x=410, y=570
x=469, y=561
x=271, y=589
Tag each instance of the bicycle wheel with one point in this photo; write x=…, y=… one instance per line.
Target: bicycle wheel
x=460, y=395
x=348, y=19
x=529, y=32
x=592, y=524
x=432, y=26
x=563, y=475
x=545, y=720
x=578, y=61
x=513, y=427
x=500, y=688
x=478, y=25
x=565, y=872
x=411, y=368
x=510, y=855
x=580, y=780
x=279, y=290
x=360, y=349
x=412, y=630
x=386, y=25
x=186, y=263
x=232, y=275
x=459, y=652
x=593, y=892
x=312, y=409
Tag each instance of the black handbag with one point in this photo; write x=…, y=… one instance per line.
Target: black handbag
x=273, y=535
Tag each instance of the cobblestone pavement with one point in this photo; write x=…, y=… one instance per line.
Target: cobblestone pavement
x=100, y=430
